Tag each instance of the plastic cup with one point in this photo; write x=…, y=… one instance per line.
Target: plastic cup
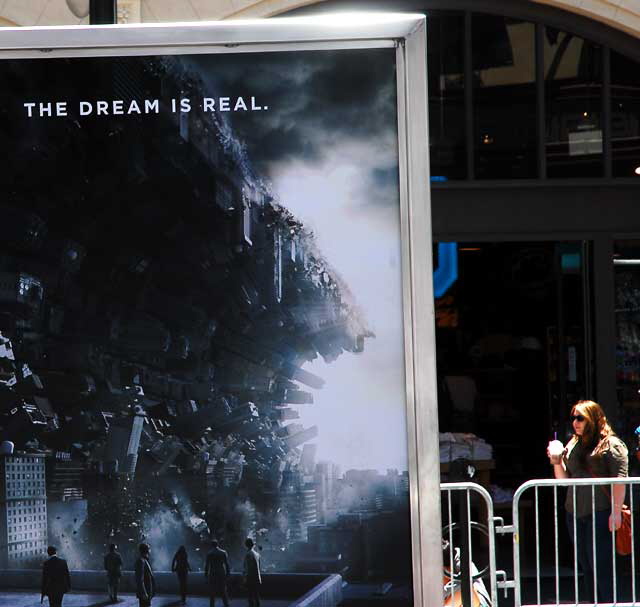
x=555, y=448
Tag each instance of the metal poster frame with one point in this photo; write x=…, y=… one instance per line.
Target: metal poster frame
x=406, y=33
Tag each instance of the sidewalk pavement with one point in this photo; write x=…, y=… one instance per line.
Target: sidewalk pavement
x=31, y=599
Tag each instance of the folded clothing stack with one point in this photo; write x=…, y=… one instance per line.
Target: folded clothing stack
x=459, y=445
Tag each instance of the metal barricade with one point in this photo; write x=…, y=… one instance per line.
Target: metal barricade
x=589, y=531
x=462, y=578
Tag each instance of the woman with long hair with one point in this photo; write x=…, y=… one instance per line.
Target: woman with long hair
x=593, y=451
x=181, y=567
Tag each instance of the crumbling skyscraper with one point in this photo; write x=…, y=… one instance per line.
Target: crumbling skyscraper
x=23, y=509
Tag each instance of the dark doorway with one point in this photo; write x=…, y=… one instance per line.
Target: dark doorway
x=513, y=349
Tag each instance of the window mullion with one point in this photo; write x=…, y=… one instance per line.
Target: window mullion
x=468, y=96
x=606, y=111
x=540, y=103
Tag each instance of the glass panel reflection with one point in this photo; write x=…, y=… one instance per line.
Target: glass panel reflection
x=510, y=340
x=573, y=86
x=504, y=97
x=626, y=263
x=446, y=96
x=625, y=115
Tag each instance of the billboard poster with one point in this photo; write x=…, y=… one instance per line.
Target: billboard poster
x=201, y=319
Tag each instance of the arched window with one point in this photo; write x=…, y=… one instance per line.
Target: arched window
x=521, y=91
x=527, y=101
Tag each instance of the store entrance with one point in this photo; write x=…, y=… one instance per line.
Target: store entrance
x=513, y=335
x=626, y=265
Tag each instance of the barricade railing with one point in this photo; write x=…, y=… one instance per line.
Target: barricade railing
x=463, y=579
x=616, y=577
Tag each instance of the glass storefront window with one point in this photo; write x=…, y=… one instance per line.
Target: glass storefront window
x=625, y=115
x=626, y=264
x=504, y=96
x=573, y=88
x=445, y=37
x=511, y=340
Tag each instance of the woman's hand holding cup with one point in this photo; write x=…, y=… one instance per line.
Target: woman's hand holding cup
x=555, y=449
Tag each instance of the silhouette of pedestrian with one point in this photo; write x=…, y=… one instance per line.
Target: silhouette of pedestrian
x=113, y=567
x=145, y=582
x=217, y=570
x=181, y=567
x=252, y=575
x=55, y=578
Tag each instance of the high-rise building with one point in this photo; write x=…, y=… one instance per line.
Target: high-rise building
x=300, y=437
x=65, y=478
x=23, y=509
x=123, y=442
x=300, y=502
x=301, y=508
x=324, y=485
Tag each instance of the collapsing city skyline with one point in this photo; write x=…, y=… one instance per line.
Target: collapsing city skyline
x=328, y=146
x=164, y=307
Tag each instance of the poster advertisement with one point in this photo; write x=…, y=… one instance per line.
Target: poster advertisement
x=201, y=330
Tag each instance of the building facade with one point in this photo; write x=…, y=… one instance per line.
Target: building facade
x=23, y=509
x=623, y=15
x=529, y=102
x=534, y=143
x=533, y=118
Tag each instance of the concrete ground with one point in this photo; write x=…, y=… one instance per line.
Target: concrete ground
x=31, y=599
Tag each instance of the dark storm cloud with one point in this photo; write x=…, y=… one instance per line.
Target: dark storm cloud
x=382, y=186
x=316, y=100
x=382, y=177
x=280, y=143
x=355, y=96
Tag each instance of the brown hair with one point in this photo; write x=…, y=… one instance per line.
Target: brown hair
x=596, y=429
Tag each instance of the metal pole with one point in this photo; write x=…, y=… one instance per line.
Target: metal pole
x=540, y=103
x=562, y=330
x=605, y=325
x=103, y=12
x=465, y=550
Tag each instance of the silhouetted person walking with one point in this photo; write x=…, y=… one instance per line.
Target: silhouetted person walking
x=252, y=576
x=145, y=582
x=217, y=570
x=55, y=578
x=113, y=567
x=181, y=566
